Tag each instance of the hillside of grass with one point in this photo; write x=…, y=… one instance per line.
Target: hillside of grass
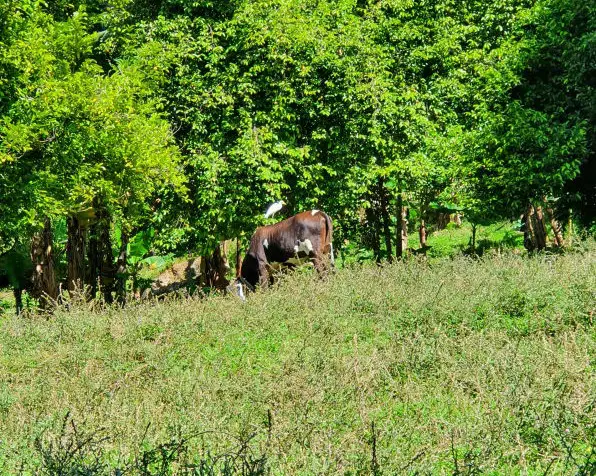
x=451, y=366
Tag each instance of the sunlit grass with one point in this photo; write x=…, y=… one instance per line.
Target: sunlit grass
x=453, y=365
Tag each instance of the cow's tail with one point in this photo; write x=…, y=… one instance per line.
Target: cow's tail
x=329, y=237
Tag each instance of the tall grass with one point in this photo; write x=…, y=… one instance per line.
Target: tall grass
x=459, y=366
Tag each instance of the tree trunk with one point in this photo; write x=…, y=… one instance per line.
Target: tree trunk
x=386, y=220
x=442, y=220
x=540, y=229
x=422, y=233
x=473, y=239
x=529, y=237
x=217, y=267
x=570, y=228
x=93, y=259
x=75, y=253
x=404, y=229
x=121, y=270
x=107, y=271
x=556, y=227
x=399, y=249
x=225, y=248
x=372, y=234
x=238, y=258
x=44, y=286
x=401, y=228
x=457, y=219
x=422, y=227
x=101, y=267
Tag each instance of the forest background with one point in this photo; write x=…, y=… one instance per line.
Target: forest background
x=136, y=128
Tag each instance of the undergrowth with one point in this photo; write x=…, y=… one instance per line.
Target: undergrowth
x=456, y=366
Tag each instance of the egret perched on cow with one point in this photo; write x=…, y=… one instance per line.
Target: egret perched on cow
x=273, y=209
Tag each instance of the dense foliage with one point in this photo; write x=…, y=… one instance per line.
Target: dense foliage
x=188, y=117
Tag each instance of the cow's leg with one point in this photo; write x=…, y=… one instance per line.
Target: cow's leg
x=18, y=299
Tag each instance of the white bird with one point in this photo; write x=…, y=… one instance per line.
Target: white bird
x=273, y=209
x=240, y=291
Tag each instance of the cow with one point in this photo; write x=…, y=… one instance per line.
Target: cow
x=300, y=238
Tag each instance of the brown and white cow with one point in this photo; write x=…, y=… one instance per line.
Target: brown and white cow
x=300, y=238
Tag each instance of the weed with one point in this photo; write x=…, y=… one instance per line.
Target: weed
x=72, y=451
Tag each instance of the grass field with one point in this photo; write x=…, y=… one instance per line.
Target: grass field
x=458, y=366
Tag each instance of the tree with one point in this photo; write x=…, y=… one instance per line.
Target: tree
x=77, y=142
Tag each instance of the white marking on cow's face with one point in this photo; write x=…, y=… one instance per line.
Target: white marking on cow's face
x=314, y=212
x=266, y=244
x=304, y=246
